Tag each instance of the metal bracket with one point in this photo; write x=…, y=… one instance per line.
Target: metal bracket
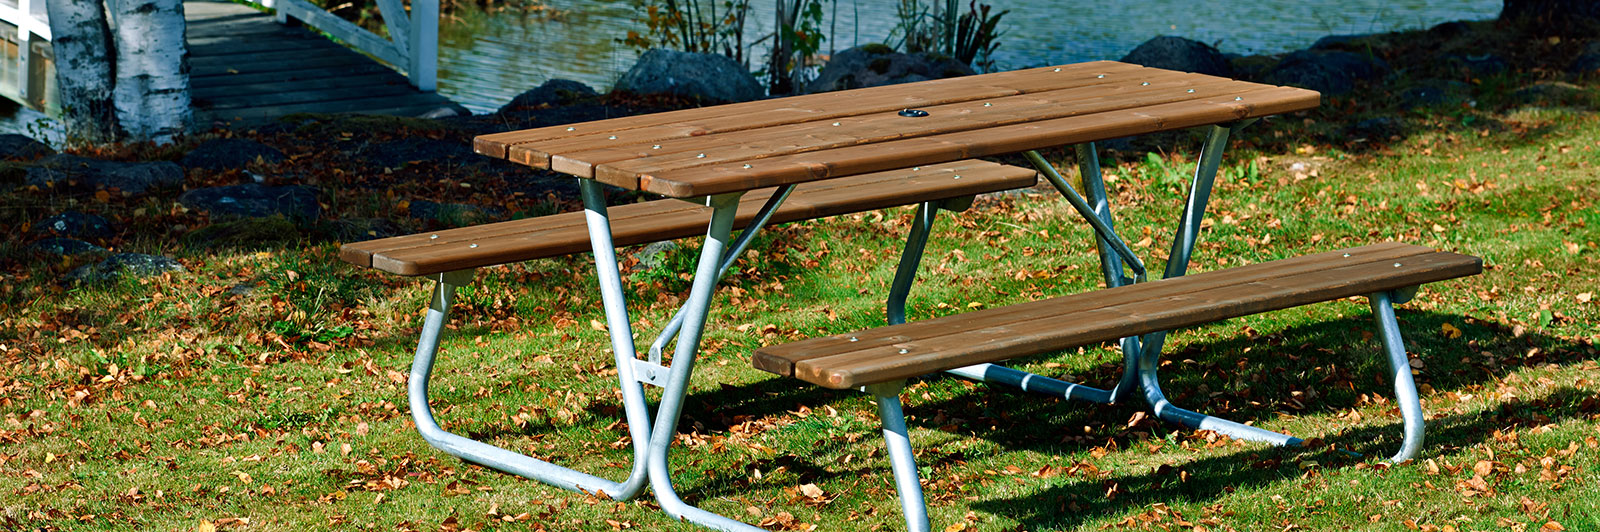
x=650, y=373
x=455, y=278
x=957, y=204
x=1402, y=295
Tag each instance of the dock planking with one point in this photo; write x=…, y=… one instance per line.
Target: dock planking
x=244, y=66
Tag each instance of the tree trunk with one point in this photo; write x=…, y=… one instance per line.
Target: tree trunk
x=1569, y=18
x=82, y=43
x=152, y=69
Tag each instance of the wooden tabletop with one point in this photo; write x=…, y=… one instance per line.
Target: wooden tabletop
x=745, y=146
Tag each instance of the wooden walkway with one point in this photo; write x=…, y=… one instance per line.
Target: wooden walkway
x=245, y=67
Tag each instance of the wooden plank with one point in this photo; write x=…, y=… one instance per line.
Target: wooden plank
x=857, y=119
x=851, y=160
x=340, y=106
x=815, y=106
x=1051, y=333
x=304, y=42
x=661, y=220
x=304, y=96
x=289, y=58
x=228, y=80
x=285, y=67
x=626, y=162
x=384, y=78
x=780, y=359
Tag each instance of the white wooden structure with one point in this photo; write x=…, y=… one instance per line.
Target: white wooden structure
x=25, y=81
x=412, y=45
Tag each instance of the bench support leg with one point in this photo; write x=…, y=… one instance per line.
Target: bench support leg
x=495, y=457
x=1405, y=388
x=739, y=245
x=901, y=459
x=709, y=269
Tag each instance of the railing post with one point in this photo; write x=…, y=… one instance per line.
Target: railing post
x=24, y=49
x=424, y=48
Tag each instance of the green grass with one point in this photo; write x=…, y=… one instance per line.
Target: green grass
x=165, y=403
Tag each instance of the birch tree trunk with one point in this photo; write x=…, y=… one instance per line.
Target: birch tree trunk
x=82, y=42
x=152, y=69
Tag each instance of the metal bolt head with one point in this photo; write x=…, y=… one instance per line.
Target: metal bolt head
x=433, y=237
x=958, y=176
x=614, y=137
x=700, y=156
x=570, y=128
x=1101, y=76
x=835, y=123
x=916, y=168
x=1058, y=70
x=1347, y=254
x=854, y=339
x=1145, y=83
x=987, y=104
x=1191, y=90
x=903, y=351
x=746, y=166
x=472, y=245
x=1397, y=265
x=1238, y=98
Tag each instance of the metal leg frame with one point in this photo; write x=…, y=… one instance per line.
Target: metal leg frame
x=1405, y=389
x=901, y=459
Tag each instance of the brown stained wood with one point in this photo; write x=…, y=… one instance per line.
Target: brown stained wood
x=834, y=103
x=851, y=160
x=840, y=343
x=859, y=119
x=1066, y=322
x=563, y=234
x=628, y=162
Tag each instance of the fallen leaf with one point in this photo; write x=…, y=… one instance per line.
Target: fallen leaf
x=811, y=490
x=1449, y=331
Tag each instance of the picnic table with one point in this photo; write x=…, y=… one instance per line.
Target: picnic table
x=752, y=164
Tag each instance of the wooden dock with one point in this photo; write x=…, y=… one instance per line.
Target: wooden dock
x=245, y=67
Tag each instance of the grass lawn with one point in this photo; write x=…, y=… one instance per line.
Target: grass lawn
x=193, y=401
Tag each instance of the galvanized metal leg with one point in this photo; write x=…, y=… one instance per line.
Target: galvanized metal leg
x=1405, y=389
x=901, y=459
x=496, y=457
x=910, y=258
x=749, y=233
x=1183, y=243
x=683, y=359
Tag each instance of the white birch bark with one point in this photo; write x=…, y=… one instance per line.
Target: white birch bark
x=152, y=69
x=82, y=42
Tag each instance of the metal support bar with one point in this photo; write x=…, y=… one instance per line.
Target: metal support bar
x=495, y=457
x=1405, y=388
x=749, y=233
x=1094, y=188
x=901, y=459
x=1101, y=229
x=725, y=207
x=910, y=258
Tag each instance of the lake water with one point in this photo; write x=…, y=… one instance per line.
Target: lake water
x=485, y=60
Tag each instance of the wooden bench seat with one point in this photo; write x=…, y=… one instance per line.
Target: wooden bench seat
x=908, y=350
x=640, y=223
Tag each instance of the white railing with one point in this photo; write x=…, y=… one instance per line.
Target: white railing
x=30, y=19
x=413, y=46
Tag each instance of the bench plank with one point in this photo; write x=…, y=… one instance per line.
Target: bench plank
x=1084, y=319
x=640, y=223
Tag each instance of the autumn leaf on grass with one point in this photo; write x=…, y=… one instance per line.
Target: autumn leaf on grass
x=1449, y=331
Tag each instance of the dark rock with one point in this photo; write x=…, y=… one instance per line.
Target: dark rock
x=1178, y=53
x=1550, y=93
x=14, y=147
x=398, y=153
x=1569, y=18
x=267, y=232
x=254, y=201
x=65, y=246
x=445, y=111
x=1340, y=42
x=1480, y=65
x=125, y=264
x=1379, y=128
x=1328, y=72
x=242, y=289
x=654, y=255
x=1451, y=29
x=1587, y=63
x=454, y=214
x=225, y=154
x=707, y=77
x=82, y=174
x=875, y=64
x=74, y=224
x=553, y=92
x=359, y=229
x=1252, y=66
x=1434, y=93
